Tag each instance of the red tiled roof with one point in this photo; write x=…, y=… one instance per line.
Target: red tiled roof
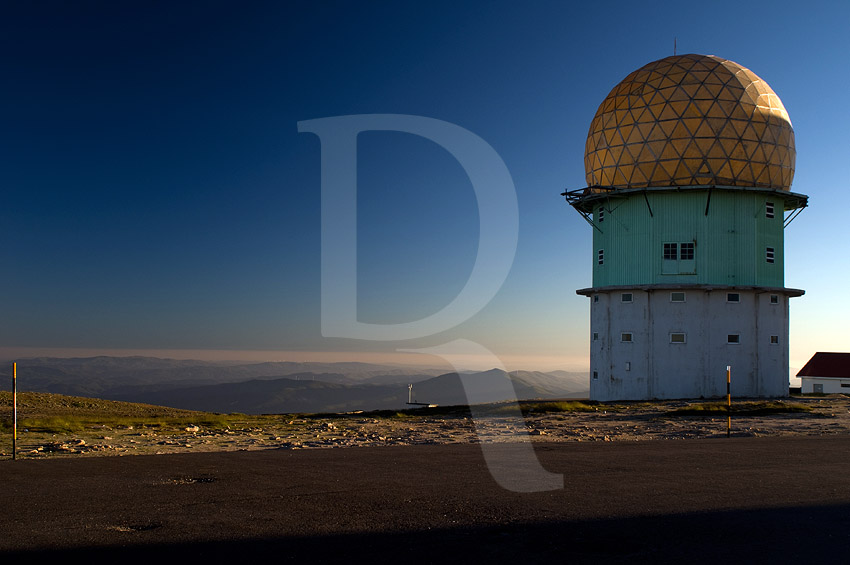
x=834, y=365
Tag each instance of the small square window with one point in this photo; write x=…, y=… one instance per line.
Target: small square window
x=600, y=256
x=595, y=336
x=733, y=297
x=602, y=214
x=671, y=251
x=595, y=375
x=626, y=297
x=768, y=209
x=626, y=337
x=686, y=251
x=774, y=299
x=774, y=340
x=733, y=338
x=678, y=338
x=769, y=254
x=677, y=297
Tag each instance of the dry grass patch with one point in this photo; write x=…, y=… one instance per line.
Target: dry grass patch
x=55, y=413
x=751, y=408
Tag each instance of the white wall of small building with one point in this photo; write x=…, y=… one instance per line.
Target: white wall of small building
x=830, y=385
x=651, y=366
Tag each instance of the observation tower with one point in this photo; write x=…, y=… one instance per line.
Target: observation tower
x=689, y=162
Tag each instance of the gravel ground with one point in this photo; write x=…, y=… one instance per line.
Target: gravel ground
x=623, y=422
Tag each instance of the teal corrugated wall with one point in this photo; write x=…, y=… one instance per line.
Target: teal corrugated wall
x=729, y=242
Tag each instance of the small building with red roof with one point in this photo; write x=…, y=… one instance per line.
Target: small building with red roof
x=826, y=373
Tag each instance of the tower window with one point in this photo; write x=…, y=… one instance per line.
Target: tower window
x=601, y=256
x=596, y=298
x=678, y=259
x=626, y=297
x=628, y=365
x=626, y=337
x=768, y=209
x=678, y=338
x=595, y=336
x=774, y=340
x=595, y=375
x=733, y=338
x=677, y=297
x=733, y=297
x=769, y=254
x=602, y=214
x=774, y=299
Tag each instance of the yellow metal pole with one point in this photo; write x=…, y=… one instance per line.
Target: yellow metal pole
x=728, y=400
x=14, y=410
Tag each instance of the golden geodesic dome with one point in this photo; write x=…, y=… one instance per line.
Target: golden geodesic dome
x=691, y=120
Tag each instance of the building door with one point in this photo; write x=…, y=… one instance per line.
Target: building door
x=817, y=388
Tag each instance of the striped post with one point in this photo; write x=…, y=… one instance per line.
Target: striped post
x=728, y=401
x=14, y=410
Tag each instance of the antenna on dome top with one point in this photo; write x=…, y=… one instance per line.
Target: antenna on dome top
x=674, y=46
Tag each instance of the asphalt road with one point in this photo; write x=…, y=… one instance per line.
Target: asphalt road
x=735, y=500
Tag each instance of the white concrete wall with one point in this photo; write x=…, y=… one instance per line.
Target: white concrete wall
x=653, y=367
x=830, y=385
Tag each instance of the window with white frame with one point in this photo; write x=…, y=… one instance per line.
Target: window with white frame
x=671, y=251
x=769, y=254
x=600, y=256
x=602, y=214
x=768, y=209
x=686, y=251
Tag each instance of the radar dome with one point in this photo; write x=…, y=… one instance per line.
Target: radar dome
x=691, y=120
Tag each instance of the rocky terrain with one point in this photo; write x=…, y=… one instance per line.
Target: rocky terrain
x=139, y=429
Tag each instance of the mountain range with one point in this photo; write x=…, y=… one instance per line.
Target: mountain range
x=279, y=387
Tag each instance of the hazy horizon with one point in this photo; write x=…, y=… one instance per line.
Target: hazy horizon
x=11, y=354
x=398, y=358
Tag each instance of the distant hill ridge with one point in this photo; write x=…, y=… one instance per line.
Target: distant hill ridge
x=272, y=387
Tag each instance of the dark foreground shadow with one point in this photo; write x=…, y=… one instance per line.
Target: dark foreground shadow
x=813, y=534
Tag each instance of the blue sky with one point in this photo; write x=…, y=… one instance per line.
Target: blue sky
x=157, y=196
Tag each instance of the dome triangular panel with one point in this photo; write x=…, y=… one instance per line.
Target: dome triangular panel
x=680, y=120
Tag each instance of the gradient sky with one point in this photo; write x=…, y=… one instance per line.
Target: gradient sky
x=157, y=196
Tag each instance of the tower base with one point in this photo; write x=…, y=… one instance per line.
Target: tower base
x=666, y=342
